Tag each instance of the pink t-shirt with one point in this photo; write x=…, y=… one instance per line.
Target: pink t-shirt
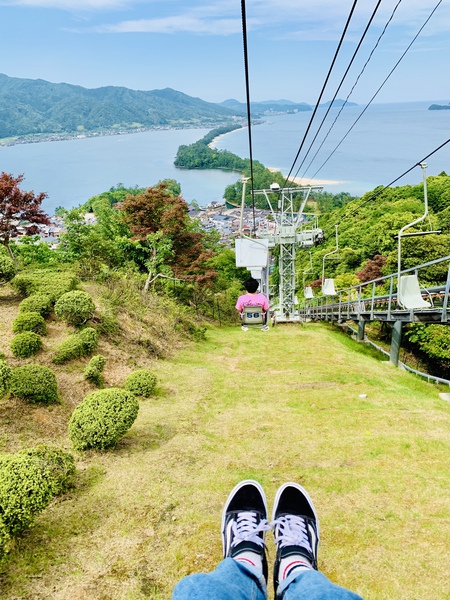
x=252, y=300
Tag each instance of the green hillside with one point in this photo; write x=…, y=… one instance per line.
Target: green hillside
x=39, y=107
x=279, y=406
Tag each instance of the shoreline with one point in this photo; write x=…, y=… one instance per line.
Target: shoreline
x=305, y=181
x=77, y=135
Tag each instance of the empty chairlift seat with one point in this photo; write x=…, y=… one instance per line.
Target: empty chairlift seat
x=307, y=292
x=253, y=316
x=328, y=288
x=409, y=295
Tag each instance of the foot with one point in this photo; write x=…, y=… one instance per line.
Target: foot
x=244, y=524
x=244, y=328
x=296, y=531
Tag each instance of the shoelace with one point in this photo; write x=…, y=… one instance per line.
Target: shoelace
x=292, y=531
x=246, y=529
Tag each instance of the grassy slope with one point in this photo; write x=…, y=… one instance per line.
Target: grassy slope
x=276, y=406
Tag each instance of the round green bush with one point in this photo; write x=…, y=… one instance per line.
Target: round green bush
x=34, y=383
x=24, y=491
x=79, y=344
x=59, y=465
x=29, y=321
x=5, y=539
x=26, y=344
x=93, y=371
x=7, y=268
x=102, y=419
x=40, y=303
x=141, y=382
x=5, y=377
x=75, y=308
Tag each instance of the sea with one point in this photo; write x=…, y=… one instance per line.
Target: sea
x=363, y=149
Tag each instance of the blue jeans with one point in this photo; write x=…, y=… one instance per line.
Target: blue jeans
x=233, y=581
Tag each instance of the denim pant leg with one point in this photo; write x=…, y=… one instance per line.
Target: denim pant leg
x=230, y=581
x=312, y=585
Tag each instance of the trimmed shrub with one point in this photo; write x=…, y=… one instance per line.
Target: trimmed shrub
x=50, y=283
x=7, y=269
x=5, y=377
x=75, y=308
x=59, y=464
x=24, y=491
x=29, y=321
x=34, y=383
x=141, y=382
x=79, y=344
x=40, y=303
x=5, y=539
x=26, y=344
x=93, y=372
x=102, y=419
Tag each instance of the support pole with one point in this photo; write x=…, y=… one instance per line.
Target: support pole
x=396, y=340
x=361, y=330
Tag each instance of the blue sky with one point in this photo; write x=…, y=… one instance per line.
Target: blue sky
x=195, y=46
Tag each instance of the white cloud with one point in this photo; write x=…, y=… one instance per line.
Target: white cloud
x=72, y=5
x=181, y=24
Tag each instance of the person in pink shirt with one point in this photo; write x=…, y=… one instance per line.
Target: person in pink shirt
x=253, y=298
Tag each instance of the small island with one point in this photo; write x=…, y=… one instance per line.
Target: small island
x=439, y=107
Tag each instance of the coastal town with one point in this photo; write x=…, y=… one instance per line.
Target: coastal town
x=215, y=216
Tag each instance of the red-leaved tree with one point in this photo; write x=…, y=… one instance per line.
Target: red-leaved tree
x=157, y=211
x=19, y=209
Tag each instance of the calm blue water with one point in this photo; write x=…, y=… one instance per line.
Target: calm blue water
x=388, y=140
x=72, y=171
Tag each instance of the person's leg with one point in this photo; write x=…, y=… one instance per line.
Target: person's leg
x=312, y=585
x=230, y=581
x=296, y=530
x=243, y=573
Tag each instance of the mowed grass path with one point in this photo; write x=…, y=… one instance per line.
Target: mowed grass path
x=277, y=406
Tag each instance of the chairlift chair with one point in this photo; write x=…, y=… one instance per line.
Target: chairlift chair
x=253, y=317
x=328, y=288
x=409, y=294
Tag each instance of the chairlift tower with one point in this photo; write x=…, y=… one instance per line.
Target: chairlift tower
x=291, y=232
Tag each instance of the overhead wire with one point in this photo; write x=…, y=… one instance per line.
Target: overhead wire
x=379, y=89
x=323, y=90
x=247, y=92
x=380, y=191
x=341, y=83
x=352, y=89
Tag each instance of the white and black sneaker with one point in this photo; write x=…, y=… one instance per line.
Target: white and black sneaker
x=296, y=531
x=244, y=524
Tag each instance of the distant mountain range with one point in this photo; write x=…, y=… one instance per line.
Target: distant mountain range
x=267, y=107
x=35, y=108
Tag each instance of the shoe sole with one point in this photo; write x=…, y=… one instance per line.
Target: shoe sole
x=233, y=492
x=305, y=494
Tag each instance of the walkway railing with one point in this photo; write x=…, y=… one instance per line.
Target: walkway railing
x=377, y=300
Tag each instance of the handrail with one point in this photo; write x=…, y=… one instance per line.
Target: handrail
x=368, y=302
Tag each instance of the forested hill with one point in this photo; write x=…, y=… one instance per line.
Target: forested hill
x=29, y=106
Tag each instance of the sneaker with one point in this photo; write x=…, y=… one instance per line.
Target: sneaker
x=265, y=328
x=244, y=328
x=244, y=524
x=296, y=531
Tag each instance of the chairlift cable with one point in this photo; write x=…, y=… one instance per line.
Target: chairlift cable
x=340, y=85
x=353, y=88
x=378, y=192
x=247, y=91
x=323, y=90
x=379, y=89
